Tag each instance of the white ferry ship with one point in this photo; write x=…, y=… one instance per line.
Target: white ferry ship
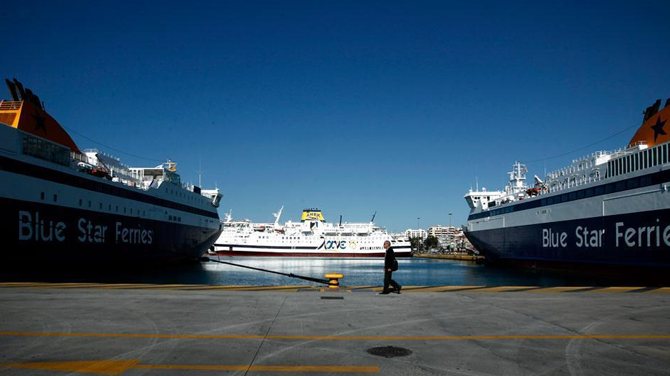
x=311, y=237
x=61, y=204
x=606, y=209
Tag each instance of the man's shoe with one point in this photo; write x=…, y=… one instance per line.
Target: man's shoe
x=383, y=293
x=397, y=291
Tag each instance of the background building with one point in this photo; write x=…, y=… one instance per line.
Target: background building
x=420, y=233
x=450, y=238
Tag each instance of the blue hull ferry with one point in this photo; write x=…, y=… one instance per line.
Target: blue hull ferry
x=608, y=209
x=62, y=204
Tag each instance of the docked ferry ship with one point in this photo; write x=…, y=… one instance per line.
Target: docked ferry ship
x=606, y=209
x=311, y=237
x=64, y=204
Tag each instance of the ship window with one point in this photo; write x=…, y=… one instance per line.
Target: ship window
x=79, y=202
x=580, y=194
x=654, y=153
x=588, y=192
x=46, y=150
x=124, y=210
x=645, y=181
x=110, y=207
x=609, y=188
x=628, y=163
x=609, y=168
x=637, y=161
x=89, y=203
x=632, y=183
x=543, y=202
x=620, y=186
x=101, y=206
x=550, y=201
x=42, y=196
x=572, y=196
x=599, y=190
x=646, y=158
x=55, y=198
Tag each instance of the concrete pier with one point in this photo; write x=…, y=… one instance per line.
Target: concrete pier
x=59, y=329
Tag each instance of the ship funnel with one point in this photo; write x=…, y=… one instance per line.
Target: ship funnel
x=654, y=128
x=651, y=110
x=12, y=90
x=19, y=87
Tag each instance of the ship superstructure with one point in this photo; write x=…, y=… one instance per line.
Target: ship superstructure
x=63, y=204
x=311, y=237
x=607, y=208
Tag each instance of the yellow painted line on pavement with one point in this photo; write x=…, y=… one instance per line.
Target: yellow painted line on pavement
x=502, y=288
x=334, y=369
x=117, y=367
x=266, y=288
x=661, y=290
x=437, y=288
x=73, y=286
x=560, y=289
x=342, y=338
x=296, y=288
x=616, y=289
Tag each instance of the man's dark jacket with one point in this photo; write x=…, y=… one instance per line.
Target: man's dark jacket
x=389, y=258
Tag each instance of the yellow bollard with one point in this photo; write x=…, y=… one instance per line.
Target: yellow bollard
x=334, y=282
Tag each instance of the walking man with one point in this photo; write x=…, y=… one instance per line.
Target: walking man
x=390, y=265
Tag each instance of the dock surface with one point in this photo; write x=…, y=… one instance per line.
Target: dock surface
x=125, y=329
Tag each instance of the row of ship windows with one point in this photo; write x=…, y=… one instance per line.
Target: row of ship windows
x=299, y=238
x=179, y=194
x=623, y=185
x=638, y=161
x=126, y=210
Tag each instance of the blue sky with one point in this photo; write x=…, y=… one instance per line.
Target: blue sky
x=354, y=107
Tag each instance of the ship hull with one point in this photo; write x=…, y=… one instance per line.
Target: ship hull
x=35, y=232
x=261, y=251
x=639, y=239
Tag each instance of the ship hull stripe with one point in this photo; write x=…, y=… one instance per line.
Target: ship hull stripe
x=585, y=193
x=634, y=239
x=308, y=254
x=48, y=233
x=112, y=189
x=280, y=247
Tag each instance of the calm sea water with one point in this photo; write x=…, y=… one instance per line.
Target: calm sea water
x=357, y=272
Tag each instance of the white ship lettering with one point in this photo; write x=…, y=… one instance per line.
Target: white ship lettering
x=553, y=240
x=133, y=235
x=635, y=237
x=29, y=229
x=91, y=233
x=586, y=238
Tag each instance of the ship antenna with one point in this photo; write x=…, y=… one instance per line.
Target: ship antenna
x=200, y=171
x=476, y=183
x=277, y=215
x=340, y=220
x=373, y=216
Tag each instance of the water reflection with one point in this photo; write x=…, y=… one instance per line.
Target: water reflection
x=357, y=272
